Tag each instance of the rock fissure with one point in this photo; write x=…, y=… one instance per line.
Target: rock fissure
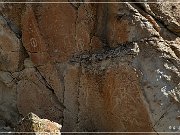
x=90, y=67
x=78, y=95
x=156, y=20
x=163, y=115
x=48, y=86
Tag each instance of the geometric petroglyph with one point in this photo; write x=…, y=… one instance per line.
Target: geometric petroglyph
x=33, y=42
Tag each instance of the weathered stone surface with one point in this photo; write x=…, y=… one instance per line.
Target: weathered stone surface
x=92, y=67
x=32, y=123
x=13, y=12
x=160, y=81
x=96, y=44
x=8, y=109
x=60, y=33
x=108, y=93
x=85, y=27
x=11, y=52
x=51, y=76
x=32, y=39
x=72, y=85
x=176, y=48
x=38, y=52
x=73, y=32
x=39, y=99
x=168, y=14
x=6, y=78
x=103, y=94
x=126, y=24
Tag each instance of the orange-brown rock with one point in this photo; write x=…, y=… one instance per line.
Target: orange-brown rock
x=52, y=77
x=60, y=34
x=36, y=99
x=38, y=52
x=73, y=30
x=113, y=96
x=96, y=44
x=91, y=66
x=85, y=27
x=40, y=58
x=114, y=93
x=124, y=25
x=32, y=39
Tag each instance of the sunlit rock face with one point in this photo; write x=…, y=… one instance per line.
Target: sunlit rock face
x=111, y=67
x=32, y=123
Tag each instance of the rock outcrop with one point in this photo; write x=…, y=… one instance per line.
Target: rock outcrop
x=34, y=125
x=111, y=67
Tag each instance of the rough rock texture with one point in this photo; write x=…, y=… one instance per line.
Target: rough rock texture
x=168, y=14
x=92, y=67
x=103, y=94
x=32, y=123
x=126, y=24
x=11, y=55
x=38, y=100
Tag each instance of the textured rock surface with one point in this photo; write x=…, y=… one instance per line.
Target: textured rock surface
x=32, y=123
x=126, y=24
x=92, y=67
x=168, y=14
x=11, y=55
x=38, y=100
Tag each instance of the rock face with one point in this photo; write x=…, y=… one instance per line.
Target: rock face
x=11, y=49
x=109, y=67
x=32, y=123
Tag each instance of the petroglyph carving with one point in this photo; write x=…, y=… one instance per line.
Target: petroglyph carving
x=33, y=42
x=80, y=44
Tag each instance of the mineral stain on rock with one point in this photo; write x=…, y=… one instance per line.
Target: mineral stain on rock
x=91, y=67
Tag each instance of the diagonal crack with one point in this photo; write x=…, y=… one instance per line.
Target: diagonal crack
x=48, y=86
x=163, y=115
x=139, y=7
x=12, y=26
